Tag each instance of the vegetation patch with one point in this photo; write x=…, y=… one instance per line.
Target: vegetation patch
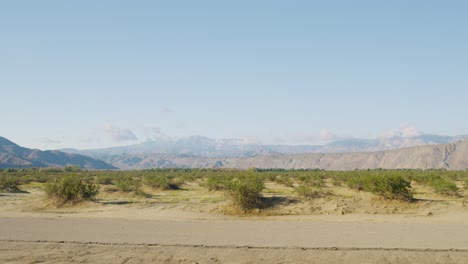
x=9, y=183
x=391, y=187
x=163, y=182
x=127, y=184
x=104, y=179
x=441, y=185
x=245, y=191
x=217, y=182
x=70, y=189
x=307, y=192
x=312, y=180
x=243, y=187
x=284, y=180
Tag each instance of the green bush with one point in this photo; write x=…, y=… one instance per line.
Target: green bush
x=270, y=176
x=72, y=168
x=128, y=184
x=445, y=187
x=441, y=185
x=307, y=192
x=163, y=182
x=388, y=186
x=9, y=183
x=245, y=191
x=104, y=179
x=10, y=170
x=216, y=182
x=312, y=180
x=71, y=189
x=284, y=180
x=339, y=178
x=41, y=177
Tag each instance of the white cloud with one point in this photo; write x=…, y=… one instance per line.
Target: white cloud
x=327, y=135
x=155, y=133
x=119, y=134
x=409, y=131
x=405, y=131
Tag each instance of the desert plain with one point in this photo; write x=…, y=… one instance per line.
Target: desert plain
x=197, y=224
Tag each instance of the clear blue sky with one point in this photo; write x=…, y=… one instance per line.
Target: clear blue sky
x=101, y=73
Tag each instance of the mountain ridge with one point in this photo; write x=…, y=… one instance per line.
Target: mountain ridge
x=208, y=147
x=452, y=156
x=15, y=156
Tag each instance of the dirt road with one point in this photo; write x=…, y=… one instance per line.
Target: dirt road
x=230, y=241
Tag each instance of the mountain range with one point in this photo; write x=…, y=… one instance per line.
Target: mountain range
x=14, y=156
x=208, y=147
x=418, y=151
x=452, y=156
x=449, y=153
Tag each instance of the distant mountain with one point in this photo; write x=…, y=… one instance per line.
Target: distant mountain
x=195, y=145
x=387, y=143
x=223, y=148
x=14, y=156
x=204, y=152
x=452, y=156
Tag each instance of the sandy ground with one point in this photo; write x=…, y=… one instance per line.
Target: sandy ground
x=47, y=252
x=67, y=239
x=215, y=233
x=191, y=227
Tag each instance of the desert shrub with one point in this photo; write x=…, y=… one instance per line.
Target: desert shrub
x=71, y=169
x=191, y=175
x=307, y=192
x=444, y=187
x=128, y=184
x=104, y=179
x=271, y=177
x=87, y=178
x=163, y=182
x=466, y=184
x=358, y=182
x=388, y=186
x=312, y=180
x=339, y=178
x=216, y=182
x=439, y=184
x=71, y=189
x=284, y=180
x=245, y=191
x=41, y=177
x=9, y=183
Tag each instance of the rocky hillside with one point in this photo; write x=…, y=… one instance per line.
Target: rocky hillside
x=453, y=156
x=447, y=156
x=14, y=156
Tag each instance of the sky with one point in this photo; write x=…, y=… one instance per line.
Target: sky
x=91, y=74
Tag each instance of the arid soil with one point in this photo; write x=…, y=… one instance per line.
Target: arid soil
x=193, y=225
x=51, y=252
